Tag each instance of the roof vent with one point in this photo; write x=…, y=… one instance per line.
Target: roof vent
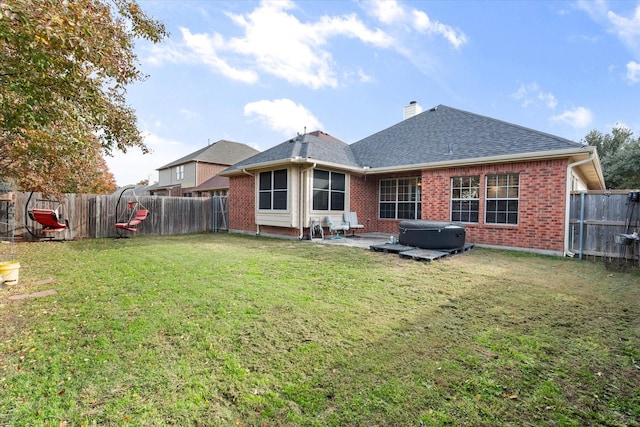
x=412, y=109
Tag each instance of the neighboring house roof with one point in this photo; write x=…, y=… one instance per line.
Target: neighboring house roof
x=222, y=152
x=137, y=190
x=439, y=137
x=216, y=183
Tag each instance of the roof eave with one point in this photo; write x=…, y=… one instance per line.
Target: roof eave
x=574, y=153
x=242, y=170
x=520, y=157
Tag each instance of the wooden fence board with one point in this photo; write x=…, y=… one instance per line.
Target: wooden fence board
x=95, y=216
x=601, y=216
x=596, y=216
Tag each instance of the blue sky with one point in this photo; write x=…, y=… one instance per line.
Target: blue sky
x=260, y=72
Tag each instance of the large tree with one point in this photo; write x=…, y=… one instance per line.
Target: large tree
x=619, y=154
x=64, y=70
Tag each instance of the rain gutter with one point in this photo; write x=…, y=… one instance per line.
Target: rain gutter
x=567, y=213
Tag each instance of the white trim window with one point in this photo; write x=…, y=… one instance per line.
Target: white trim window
x=400, y=198
x=272, y=193
x=180, y=173
x=502, y=199
x=465, y=198
x=329, y=189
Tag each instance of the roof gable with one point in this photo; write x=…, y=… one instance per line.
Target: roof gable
x=314, y=146
x=222, y=152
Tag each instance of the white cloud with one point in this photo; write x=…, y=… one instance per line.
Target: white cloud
x=283, y=46
x=276, y=42
x=283, y=115
x=530, y=94
x=387, y=11
x=549, y=99
x=524, y=93
x=364, y=77
x=204, y=48
x=578, y=118
x=626, y=28
x=188, y=114
x=199, y=49
x=134, y=166
x=391, y=12
x=423, y=23
x=633, y=72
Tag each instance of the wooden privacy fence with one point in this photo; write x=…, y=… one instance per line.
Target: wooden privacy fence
x=597, y=217
x=95, y=216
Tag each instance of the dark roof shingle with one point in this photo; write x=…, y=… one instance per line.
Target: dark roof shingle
x=222, y=152
x=441, y=134
x=447, y=134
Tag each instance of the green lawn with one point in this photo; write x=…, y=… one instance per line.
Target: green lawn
x=232, y=330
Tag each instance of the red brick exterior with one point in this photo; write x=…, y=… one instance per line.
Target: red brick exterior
x=207, y=171
x=242, y=203
x=541, y=208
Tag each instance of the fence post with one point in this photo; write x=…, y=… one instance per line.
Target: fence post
x=581, y=225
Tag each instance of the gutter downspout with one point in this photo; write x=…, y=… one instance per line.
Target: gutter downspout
x=567, y=213
x=250, y=174
x=302, y=200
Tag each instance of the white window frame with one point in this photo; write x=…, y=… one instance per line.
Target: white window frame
x=465, y=195
x=399, y=197
x=502, y=199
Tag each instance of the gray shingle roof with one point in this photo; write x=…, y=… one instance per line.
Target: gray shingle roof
x=222, y=152
x=307, y=146
x=447, y=134
x=441, y=134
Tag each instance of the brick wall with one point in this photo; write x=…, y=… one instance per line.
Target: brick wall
x=242, y=203
x=207, y=171
x=541, y=204
x=364, y=201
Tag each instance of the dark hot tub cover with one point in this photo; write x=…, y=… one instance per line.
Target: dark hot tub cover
x=427, y=234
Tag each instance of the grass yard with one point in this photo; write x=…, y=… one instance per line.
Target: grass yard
x=228, y=330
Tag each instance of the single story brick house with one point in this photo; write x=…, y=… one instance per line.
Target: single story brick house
x=508, y=184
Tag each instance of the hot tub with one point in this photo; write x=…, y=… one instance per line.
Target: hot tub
x=427, y=234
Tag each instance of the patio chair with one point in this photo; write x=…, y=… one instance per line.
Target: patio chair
x=335, y=228
x=351, y=218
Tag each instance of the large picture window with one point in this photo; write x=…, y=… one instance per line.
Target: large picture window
x=465, y=198
x=328, y=190
x=273, y=190
x=501, y=200
x=400, y=198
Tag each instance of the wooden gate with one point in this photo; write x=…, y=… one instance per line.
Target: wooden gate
x=599, y=218
x=219, y=213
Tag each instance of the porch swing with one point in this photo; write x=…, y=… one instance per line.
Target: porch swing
x=137, y=213
x=46, y=212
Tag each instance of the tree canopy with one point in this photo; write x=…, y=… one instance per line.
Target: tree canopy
x=64, y=70
x=620, y=157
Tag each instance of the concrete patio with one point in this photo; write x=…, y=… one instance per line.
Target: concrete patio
x=362, y=240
